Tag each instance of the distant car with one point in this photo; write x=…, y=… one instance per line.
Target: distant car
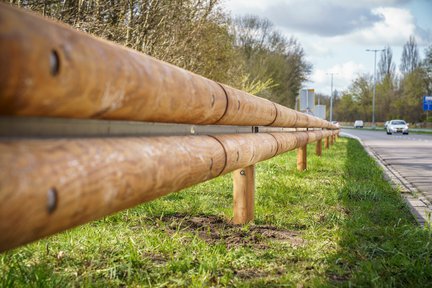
x=397, y=126
x=385, y=125
x=335, y=123
x=358, y=124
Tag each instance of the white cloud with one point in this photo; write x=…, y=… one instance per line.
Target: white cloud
x=343, y=74
x=395, y=28
x=342, y=31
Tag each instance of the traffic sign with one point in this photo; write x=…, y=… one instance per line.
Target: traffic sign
x=427, y=103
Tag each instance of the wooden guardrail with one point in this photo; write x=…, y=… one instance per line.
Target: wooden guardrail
x=54, y=180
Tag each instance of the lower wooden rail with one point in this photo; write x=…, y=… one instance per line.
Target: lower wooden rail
x=49, y=185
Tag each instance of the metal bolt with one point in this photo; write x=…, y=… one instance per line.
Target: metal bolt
x=54, y=63
x=52, y=198
x=213, y=100
x=242, y=172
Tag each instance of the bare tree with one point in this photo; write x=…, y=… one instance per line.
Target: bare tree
x=386, y=66
x=410, y=56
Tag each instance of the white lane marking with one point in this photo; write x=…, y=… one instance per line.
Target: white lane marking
x=411, y=138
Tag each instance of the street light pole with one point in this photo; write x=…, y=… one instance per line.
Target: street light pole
x=374, y=88
x=331, y=97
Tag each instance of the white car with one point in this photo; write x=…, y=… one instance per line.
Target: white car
x=397, y=126
x=358, y=124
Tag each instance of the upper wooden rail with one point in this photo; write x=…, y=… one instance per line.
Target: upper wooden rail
x=49, y=69
x=50, y=184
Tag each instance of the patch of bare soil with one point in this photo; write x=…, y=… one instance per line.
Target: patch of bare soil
x=215, y=230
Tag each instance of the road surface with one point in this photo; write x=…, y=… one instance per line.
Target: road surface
x=409, y=155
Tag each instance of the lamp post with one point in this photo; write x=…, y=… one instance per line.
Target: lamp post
x=331, y=97
x=374, y=89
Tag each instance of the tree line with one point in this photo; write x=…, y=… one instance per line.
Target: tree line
x=199, y=35
x=398, y=95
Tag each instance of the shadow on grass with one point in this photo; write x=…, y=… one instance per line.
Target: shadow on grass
x=380, y=244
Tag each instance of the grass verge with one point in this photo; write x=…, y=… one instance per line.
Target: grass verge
x=336, y=224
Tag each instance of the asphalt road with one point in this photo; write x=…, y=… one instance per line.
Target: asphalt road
x=410, y=155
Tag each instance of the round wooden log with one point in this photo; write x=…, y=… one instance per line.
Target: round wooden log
x=312, y=136
x=318, y=149
x=244, y=150
x=302, y=158
x=244, y=194
x=246, y=109
x=285, y=117
x=49, y=69
x=50, y=185
x=302, y=120
x=326, y=142
x=286, y=142
x=302, y=138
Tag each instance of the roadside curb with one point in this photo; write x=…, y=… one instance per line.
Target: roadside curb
x=419, y=206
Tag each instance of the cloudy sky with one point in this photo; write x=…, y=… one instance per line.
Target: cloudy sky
x=336, y=33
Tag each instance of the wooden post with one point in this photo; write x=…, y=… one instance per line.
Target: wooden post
x=318, y=150
x=331, y=140
x=302, y=158
x=244, y=194
x=326, y=142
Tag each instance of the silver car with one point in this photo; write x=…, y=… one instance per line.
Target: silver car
x=397, y=126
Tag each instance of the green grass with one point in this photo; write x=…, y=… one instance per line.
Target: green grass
x=336, y=224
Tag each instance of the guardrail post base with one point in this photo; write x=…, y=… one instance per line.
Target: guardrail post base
x=302, y=158
x=326, y=142
x=318, y=149
x=331, y=140
x=244, y=194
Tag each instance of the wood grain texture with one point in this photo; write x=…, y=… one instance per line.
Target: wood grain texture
x=302, y=138
x=302, y=120
x=302, y=158
x=327, y=142
x=244, y=194
x=247, y=109
x=286, y=117
x=286, y=142
x=312, y=136
x=50, y=185
x=318, y=149
x=244, y=150
x=96, y=78
x=85, y=179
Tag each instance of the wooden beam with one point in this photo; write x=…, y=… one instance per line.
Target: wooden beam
x=318, y=150
x=302, y=158
x=244, y=194
x=50, y=185
x=244, y=150
x=49, y=69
